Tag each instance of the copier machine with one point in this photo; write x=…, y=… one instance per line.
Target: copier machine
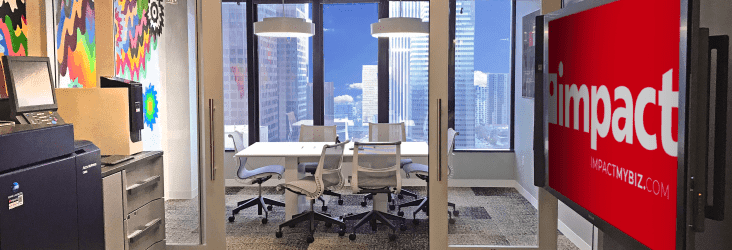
x=53, y=186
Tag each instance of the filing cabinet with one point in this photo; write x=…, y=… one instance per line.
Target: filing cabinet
x=134, y=208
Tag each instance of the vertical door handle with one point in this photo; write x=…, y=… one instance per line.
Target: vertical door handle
x=212, y=144
x=439, y=139
x=721, y=44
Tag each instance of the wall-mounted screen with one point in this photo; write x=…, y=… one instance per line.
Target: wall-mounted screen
x=612, y=97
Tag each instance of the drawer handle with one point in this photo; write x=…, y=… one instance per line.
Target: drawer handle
x=146, y=182
x=138, y=233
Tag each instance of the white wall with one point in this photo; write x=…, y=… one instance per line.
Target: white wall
x=180, y=134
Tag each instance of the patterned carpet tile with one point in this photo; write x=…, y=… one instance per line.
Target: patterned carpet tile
x=488, y=216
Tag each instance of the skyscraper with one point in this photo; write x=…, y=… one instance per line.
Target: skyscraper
x=497, y=104
x=408, y=92
x=369, y=84
x=329, y=105
x=464, y=66
x=283, y=75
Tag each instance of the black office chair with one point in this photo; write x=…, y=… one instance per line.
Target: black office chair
x=376, y=170
x=258, y=176
x=327, y=175
x=422, y=172
x=319, y=134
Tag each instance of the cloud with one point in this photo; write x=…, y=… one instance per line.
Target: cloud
x=326, y=29
x=343, y=99
x=480, y=79
x=355, y=86
x=504, y=39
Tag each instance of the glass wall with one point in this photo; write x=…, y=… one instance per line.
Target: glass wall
x=285, y=82
x=234, y=35
x=482, y=67
x=408, y=73
x=350, y=57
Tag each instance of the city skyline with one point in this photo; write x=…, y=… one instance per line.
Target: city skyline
x=285, y=72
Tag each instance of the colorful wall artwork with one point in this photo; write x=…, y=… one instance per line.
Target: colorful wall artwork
x=13, y=33
x=138, y=25
x=75, y=44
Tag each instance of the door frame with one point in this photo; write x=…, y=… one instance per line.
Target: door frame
x=440, y=58
x=209, y=66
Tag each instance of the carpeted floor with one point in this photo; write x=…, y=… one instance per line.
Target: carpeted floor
x=488, y=216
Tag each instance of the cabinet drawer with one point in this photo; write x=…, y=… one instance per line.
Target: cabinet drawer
x=146, y=226
x=143, y=183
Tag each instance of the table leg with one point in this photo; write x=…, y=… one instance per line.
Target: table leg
x=291, y=199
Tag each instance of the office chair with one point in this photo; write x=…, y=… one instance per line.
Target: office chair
x=258, y=176
x=319, y=134
x=327, y=175
x=422, y=172
x=388, y=132
x=376, y=170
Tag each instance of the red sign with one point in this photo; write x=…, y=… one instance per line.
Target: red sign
x=613, y=114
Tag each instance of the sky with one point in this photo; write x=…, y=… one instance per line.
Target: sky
x=348, y=43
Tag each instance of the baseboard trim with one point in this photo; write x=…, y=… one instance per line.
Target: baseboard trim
x=571, y=235
x=185, y=195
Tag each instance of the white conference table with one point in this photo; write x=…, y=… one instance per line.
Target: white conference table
x=294, y=152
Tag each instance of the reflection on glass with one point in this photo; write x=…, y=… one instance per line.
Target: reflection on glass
x=408, y=73
x=285, y=88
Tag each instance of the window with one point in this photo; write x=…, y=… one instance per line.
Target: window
x=482, y=70
x=285, y=86
x=234, y=42
x=408, y=73
x=350, y=89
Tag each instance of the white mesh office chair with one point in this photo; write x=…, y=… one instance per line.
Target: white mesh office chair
x=422, y=172
x=257, y=176
x=327, y=175
x=388, y=132
x=376, y=170
x=319, y=134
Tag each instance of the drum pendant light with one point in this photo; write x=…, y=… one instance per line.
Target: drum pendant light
x=284, y=26
x=400, y=27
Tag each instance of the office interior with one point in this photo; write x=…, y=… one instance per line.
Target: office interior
x=186, y=198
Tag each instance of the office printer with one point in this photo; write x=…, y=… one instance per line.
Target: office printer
x=53, y=186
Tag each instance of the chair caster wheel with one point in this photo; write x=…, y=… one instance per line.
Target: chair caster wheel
x=231, y=219
x=310, y=239
x=328, y=224
x=392, y=237
x=278, y=234
x=400, y=196
x=403, y=227
x=456, y=213
x=451, y=221
x=400, y=213
x=392, y=207
x=324, y=208
x=341, y=232
x=340, y=202
x=363, y=204
x=269, y=208
x=352, y=236
x=415, y=222
x=264, y=221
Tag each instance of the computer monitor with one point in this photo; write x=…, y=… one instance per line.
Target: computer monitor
x=30, y=83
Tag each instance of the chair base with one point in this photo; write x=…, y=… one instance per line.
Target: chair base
x=372, y=217
x=260, y=202
x=423, y=205
x=331, y=193
x=313, y=217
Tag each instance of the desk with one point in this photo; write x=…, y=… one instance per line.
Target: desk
x=292, y=151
